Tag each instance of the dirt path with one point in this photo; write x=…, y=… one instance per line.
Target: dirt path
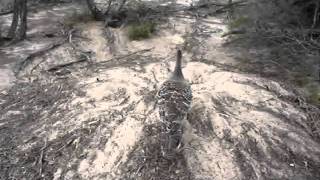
x=93, y=123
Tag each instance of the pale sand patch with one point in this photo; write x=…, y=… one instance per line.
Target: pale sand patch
x=57, y=174
x=162, y=44
x=53, y=135
x=115, y=152
x=6, y=78
x=244, y=104
x=98, y=41
x=118, y=91
x=211, y=161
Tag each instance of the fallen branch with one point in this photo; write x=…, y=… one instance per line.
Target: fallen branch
x=22, y=64
x=69, y=39
x=231, y=5
x=206, y=5
x=219, y=4
x=6, y=13
x=124, y=56
x=55, y=68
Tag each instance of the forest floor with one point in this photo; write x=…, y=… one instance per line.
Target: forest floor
x=84, y=107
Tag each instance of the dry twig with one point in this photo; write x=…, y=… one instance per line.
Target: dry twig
x=41, y=156
x=316, y=15
x=30, y=57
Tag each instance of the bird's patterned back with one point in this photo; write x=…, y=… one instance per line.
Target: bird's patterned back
x=174, y=100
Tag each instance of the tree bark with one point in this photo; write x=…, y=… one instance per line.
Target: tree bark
x=1, y=39
x=19, y=21
x=97, y=14
x=122, y=4
x=23, y=18
x=231, y=10
x=15, y=20
x=108, y=8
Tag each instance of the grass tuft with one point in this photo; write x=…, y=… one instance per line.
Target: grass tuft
x=141, y=31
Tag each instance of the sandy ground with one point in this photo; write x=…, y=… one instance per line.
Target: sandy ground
x=240, y=126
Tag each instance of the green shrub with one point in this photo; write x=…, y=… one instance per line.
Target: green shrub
x=141, y=30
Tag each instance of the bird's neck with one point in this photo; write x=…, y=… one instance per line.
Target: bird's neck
x=177, y=73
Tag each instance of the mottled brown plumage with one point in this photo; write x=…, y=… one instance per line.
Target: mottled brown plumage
x=174, y=101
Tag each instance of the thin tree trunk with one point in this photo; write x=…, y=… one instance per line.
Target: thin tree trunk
x=231, y=10
x=18, y=27
x=121, y=5
x=97, y=14
x=1, y=39
x=23, y=20
x=15, y=20
x=108, y=8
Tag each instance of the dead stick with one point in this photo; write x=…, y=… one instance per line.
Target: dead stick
x=125, y=56
x=65, y=65
x=41, y=156
x=216, y=4
x=315, y=16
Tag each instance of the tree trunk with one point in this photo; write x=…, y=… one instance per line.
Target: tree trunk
x=1, y=39
x=122, y=4
x=19, y=21
x=23, y=19
x=231, y=10
x=97, y=14
x=108, y=8
x=15, y=20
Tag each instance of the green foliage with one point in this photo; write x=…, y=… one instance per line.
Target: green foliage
x=141, y=31
x=238, y=22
